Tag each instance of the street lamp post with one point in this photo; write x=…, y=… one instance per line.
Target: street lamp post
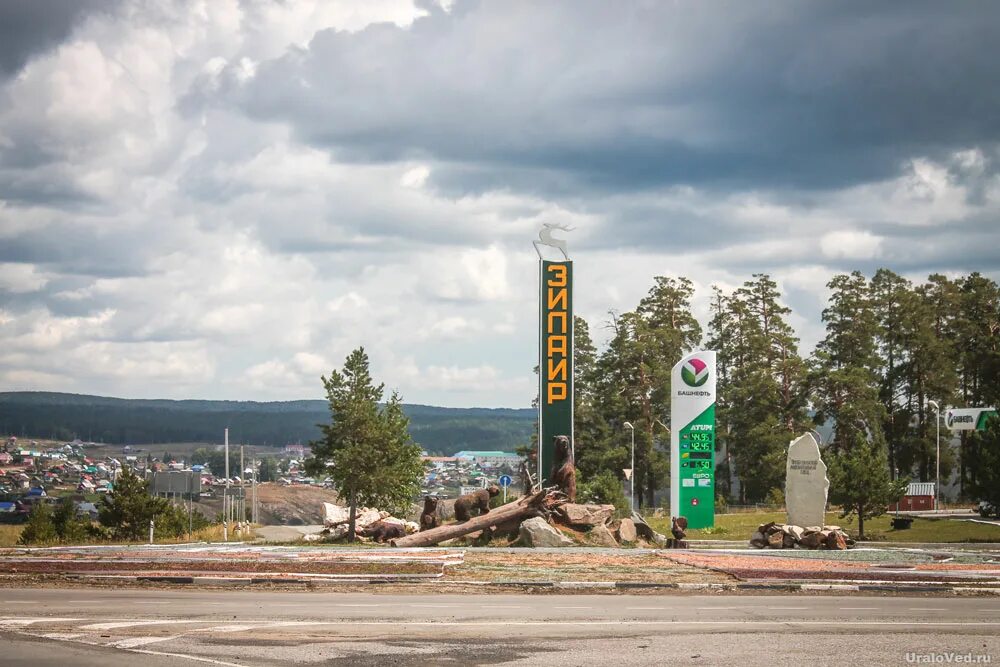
x=631, y=477
x=937, y=472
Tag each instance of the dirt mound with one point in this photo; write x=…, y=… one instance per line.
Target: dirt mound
x=298, y=505
x=294, y=505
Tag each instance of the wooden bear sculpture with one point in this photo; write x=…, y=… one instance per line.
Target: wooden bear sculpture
x=384, y=531
x=429, y=518
x=563, y=470
x=678, y=528
x=477, y=499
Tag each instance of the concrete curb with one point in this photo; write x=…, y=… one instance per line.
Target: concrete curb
x=788, y=587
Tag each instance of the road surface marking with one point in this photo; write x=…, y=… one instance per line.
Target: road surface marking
x=185, y=656
x=788, y=608
x=132, y=624
x=774, y=623
x=572, y=607
x=227, y=628
x=133, y=642
x=645, y=608
x=716, y=608
x=858, y=608
x=151, y=602
x=928, y=609
x=29, y=621
x=19, y=602
x=438, y=606
x=498, y=606
x=358, y=605
x=63, y=636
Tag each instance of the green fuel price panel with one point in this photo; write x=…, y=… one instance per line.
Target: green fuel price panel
x=697, y=470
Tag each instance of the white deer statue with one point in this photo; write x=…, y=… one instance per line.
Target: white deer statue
x=545, y=238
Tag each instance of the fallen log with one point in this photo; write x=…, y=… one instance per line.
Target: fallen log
x=537, y=504
x=646, y=532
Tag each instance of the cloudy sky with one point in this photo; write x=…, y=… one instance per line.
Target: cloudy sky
x=220, y=199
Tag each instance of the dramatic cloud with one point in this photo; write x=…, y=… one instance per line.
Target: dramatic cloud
x=222, y=198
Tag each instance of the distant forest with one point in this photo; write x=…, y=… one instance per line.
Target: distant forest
x=440, y=431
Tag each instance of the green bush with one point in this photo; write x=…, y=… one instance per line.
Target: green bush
x=775, y=497
x=40, y=528
x=721, y=504
x=172, y=521
x=604, y=489
x=69, y=527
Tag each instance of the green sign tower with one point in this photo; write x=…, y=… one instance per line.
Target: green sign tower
x=555, y=361
x=692, y=439
x=555, y=348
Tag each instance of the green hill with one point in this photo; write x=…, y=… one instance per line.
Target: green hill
x=60, y=416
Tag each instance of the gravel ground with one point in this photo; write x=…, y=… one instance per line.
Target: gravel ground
x=759, y=566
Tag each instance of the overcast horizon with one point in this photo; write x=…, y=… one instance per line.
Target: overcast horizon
x=220, y=199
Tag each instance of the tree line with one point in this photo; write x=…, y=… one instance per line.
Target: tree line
x=891, y=346
x=58, y=416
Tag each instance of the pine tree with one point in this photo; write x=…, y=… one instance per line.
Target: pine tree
x=634, y=377
x=366, y=449
x=845, y=382
x=892, y=297
x=267, y=470
x=668, y=331
x=978, y=351
x=129, y=508
x=40, y=528
x=844, y=368
x=723, y=339
x=761, y=384
x=860, y=482
x=629, y=372
x=596, y=447
x=68, y=527
x=986, y=485
x=930, y=373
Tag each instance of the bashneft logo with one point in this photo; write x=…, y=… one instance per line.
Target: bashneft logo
x=694, y=372
x=951, y=419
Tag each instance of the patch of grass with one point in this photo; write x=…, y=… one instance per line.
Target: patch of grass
x=9, y=534
x=742, y=525
x=211, y=533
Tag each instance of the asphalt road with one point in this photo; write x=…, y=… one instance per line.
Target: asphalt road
x=116, y=627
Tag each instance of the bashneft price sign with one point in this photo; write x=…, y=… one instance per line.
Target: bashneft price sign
x=692, y=439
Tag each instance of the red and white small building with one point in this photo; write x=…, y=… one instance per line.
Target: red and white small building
x=919, y=497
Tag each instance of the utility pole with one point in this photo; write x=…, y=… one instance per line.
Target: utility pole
x=243, y=492
x=225, y=494
x=253, y=512
x=937, y=474
x=191, y=486
x=631, y=474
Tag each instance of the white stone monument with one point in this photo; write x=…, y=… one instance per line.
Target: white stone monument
x=806, y=484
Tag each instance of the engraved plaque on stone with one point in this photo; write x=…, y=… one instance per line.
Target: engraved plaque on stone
x=806, y=485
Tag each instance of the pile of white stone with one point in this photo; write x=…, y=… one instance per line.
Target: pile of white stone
x=786, y=536
x=336, y=520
